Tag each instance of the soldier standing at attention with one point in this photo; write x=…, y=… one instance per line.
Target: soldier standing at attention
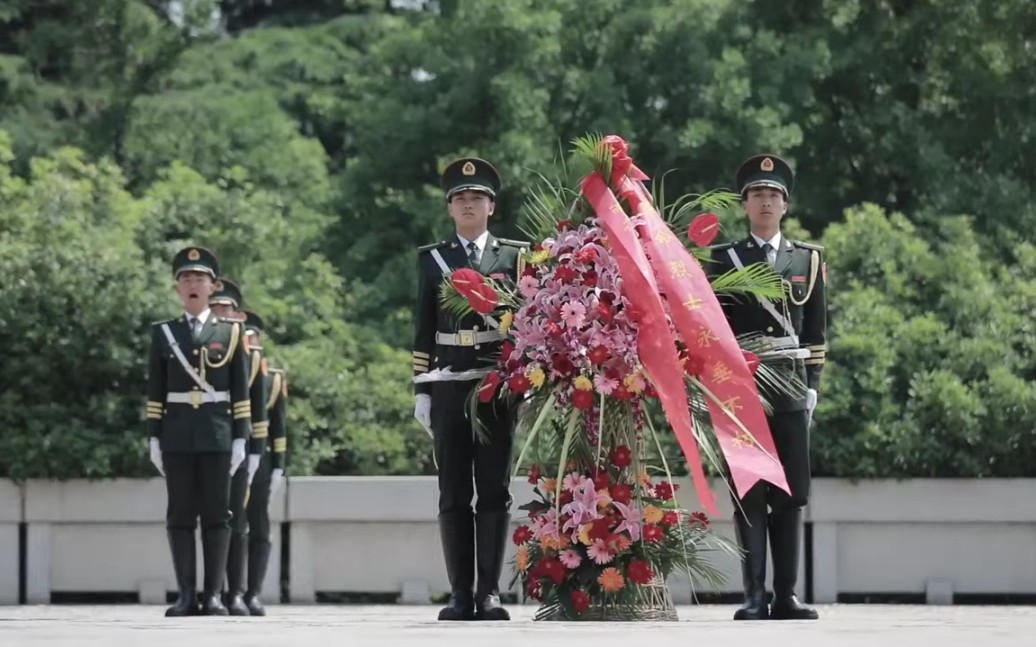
x=442, y=341
x=226, y=302
x=270, y=476
x=798, y=320
x=198, y=415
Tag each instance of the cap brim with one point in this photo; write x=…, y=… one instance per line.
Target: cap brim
x=765, y=183
x=223, y=301
x=205, y=269
x=471, y=187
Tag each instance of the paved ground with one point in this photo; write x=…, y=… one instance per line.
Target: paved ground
x=389, y=626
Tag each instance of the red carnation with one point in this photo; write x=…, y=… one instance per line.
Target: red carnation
x=699, y=519
x=665, y=490
x=521, y=535
x=652, y=533
x=566, y=497
x=533, y=591
x=703, y=229
x=565, y=274
x=505, y=351
x=590, y=279
x=601, y=480
x=518, y=383
x=564, y=225
x=534, y=474
x=554, y=329
x=693, y=365
x=621, y=456
x=582, y=399
x=600, y=528
x=580, y=601
x=562, y=364
x=488, y=388
x=621, y=492
x=670, y=518
x=605, y=312
x=621, y=393
x=599, y=354
x=639, y=572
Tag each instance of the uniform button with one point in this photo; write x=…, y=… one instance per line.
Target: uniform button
x=477, y=346
x=474, y=328
x=195, y=351
x=195, y=388
x=769, y=329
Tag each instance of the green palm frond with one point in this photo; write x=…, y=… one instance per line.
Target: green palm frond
x=547, y=204
x=758, y=280
x=590, y=150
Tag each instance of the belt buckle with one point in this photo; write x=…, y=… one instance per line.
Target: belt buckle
x=197, y=397
x=465, y=338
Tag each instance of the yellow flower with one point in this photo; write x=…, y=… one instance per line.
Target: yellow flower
x=653, y=514
x=536, y=376
x=521, y=558
x=506, y=320
x=539, y=257
x=583, y=383
x=611, y=580
x=644, y=478
x=584, y=534
x=603, y=499
x=633, y=383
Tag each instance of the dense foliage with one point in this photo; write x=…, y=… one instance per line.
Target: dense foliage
x=302, y=141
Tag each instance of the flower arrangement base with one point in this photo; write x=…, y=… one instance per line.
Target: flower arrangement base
x=653, y=604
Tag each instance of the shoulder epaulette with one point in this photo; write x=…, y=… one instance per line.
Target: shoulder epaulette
x=516, y=243
x=805, y=245
x=722, y=246
x=156, y=324
x=425, y=248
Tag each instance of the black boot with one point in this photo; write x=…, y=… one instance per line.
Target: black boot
x=237, y=557
x=490, y=542
x=181, y=545
x=214, y=545
x=258, y=558
x=785, y=538
x=458, y=547
x=751, y=537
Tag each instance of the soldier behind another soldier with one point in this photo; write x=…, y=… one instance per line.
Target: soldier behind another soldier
x=198, y=415
x=227, y=302
x=270, y=475
x=472, y=543
x=794, y=325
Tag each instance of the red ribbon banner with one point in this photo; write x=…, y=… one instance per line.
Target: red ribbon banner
x=656, y=344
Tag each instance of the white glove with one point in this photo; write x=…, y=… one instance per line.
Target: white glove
x=253, y=465
x=237, y=454
x=276, y=480
x=156, y=455
x=811, y=404
x=423, y=411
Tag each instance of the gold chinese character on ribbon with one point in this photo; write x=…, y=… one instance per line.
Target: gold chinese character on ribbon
x=733, y=404
x=743, y=439
x=663, y=236
x=692, y=303
x=677, y=269
x=706, y=337
x=721, y=372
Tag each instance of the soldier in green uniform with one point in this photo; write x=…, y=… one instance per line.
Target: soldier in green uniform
x=795, y=327
x=198, y=415
x=445, y=344
x=270, y=476
x=226, y=302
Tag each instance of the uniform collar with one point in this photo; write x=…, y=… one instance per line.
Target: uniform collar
x=775, y=242
x=203, y=317
x=480, y=242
